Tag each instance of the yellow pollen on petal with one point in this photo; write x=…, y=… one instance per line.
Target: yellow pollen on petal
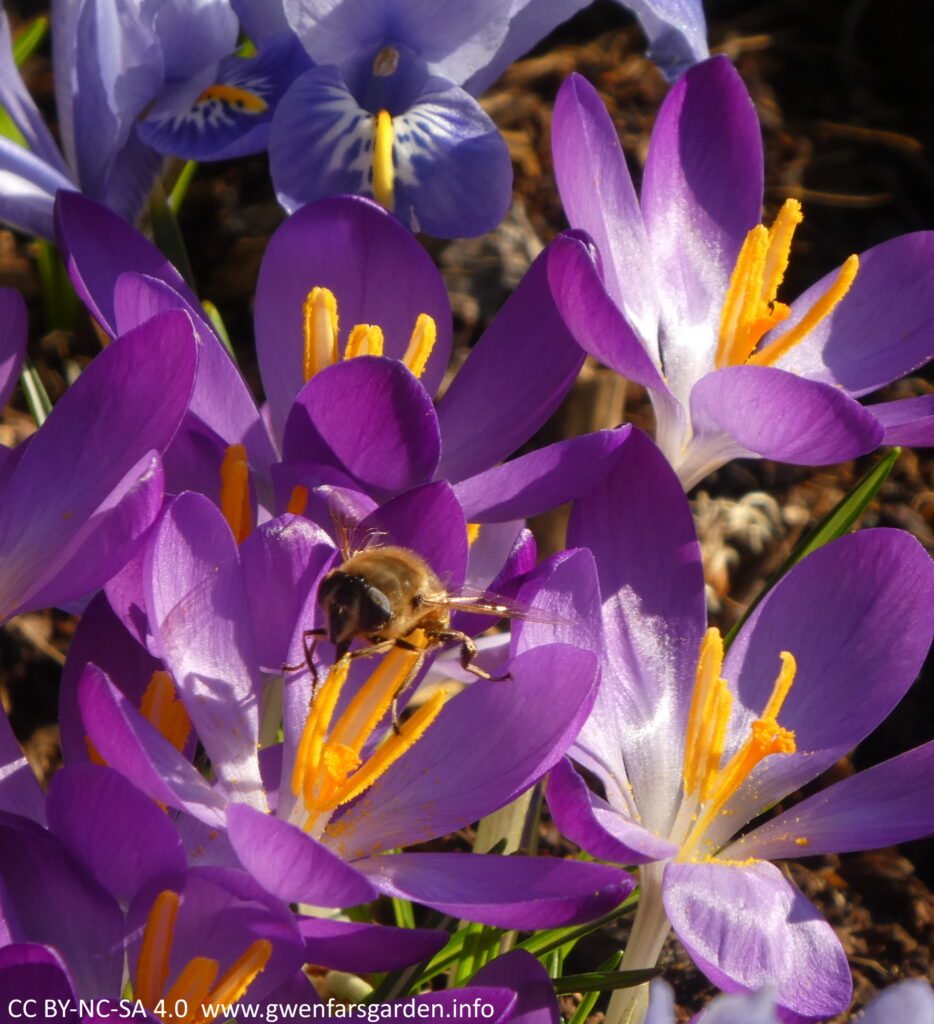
x=320, y=330
x=298, y=500
x=473, y=532
x=708, y=719
x=238, y=978
x=423, y=339
x=383, y=170
x=162, y=707
x=751, y=308
x=152, y=967
x=234, y=97
x=235, y=492
x=364, y=340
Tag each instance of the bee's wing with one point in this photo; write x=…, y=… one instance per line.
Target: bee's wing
x=351, y=537
x=483, y=602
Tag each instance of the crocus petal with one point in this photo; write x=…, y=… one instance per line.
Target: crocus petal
x=121, y=836
x=19, y=788
x=595, y=319
x=361, y=948
x=598, y=197
x=378, y=273
x=519, y=970
x=13, y=340
x=595, y=826
x=701, y=193
x=881, y=329
x=752, y=1008
x=98, y=246
x=370, y=417
x=504, y=744
x=508, y=892
x=857, y=616
x=748, y=926
x=542, y=480
x=230, y=117
x=200, y=617
x=127, y=402
x=910, y=1000
x=908, y=421
x=131, y=745
x=888, y=804
x=29, y=971
x=778, y=415
x=58, y=903
x=639, y=526
x=495, y=1005
x=512, y=381
x=290, y=864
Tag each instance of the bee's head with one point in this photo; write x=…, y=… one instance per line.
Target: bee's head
x=352, y=606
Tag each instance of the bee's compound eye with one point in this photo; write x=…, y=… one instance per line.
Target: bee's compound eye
x=375, y=610
x=330, y=584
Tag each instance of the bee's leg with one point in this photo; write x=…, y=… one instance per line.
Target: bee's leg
x=468, y=652
x=309, y=657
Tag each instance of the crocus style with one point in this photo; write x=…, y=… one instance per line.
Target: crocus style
x=687, y=302
x=687, y=759
x=388, y=110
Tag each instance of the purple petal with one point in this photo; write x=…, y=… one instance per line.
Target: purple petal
x=200, y=617
x=504, y=744
x=908, y=421
x=494, y=1005
x=13, y=341
x=370, y=417
x=882, y=806
x=120, y=409
x=676, y=31
x=27, y=190
x=290, y=864
x=512, y=381
x=747, y=926
x=519, y=970
x=19, y=788
x=595, y=826
x=857, y=615
x=595, y=319
x=378, y=272
x=132, y=746
x=98, y=246
x=508, y=892
x=701, y=193
x=881, y=329
x=30, y=972
x=542, y=480
x=639, y=526
x=362, y=948
x=598, y=197
x=910, y=1000
x=781, y=416
x=121, y=836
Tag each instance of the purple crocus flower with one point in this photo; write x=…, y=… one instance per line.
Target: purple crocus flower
x=687, y=306
x=389, y=108
x=132, y=84
x=690, y=745
x=80, y=493
x=327, y=846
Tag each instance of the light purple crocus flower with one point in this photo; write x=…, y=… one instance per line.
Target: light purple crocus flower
x=133, y=83
x=80, y=493
x=686, y=759
x=686, y=304
x=389, y=108
x=204, y=610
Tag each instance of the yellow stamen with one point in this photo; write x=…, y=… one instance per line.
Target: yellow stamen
x=192, y=984
x=751, y=309
x=383, y=171
x=239, y=977
x=235, y=492
x=473, y=532
x=421, y=344
x=364, y=340
x=161, y=706
x=298, y=500
x=152, y=968
x=320, y=328
x=821, y=309
x=708, y=717
x=308, y=753
x=234, y=97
